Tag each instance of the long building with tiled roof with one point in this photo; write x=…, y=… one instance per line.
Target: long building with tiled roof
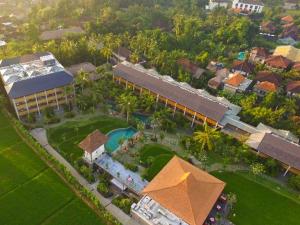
x=35, y=82
x=194, y=103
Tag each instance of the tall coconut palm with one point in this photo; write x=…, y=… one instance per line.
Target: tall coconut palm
x=82, y=80
x=206, y=137
x=127, y=103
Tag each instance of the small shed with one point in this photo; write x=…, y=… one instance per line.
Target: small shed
x=93, y=145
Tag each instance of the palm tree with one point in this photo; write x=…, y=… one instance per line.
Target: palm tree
x=147, y=102
x=82, y=79
x=127, y=104
x=206, y=137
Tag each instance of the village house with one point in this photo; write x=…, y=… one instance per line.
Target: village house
x=190, y=67
x=212, y=4
x=291, y=4
x=251, y=6
x=289, y=52
x=243, y=67
x=35, y=82
x=287, y=19
x=93, y=146
x=217, y=81
x=236, y=83
x=296, y=66
x=290, y=34
x=177, y=187
x=121, y=54
x=278, y=62
x=264, y=87
x=86, y=67
x=259, y=55
x=293, y=88
x=268, y=27
x=214, y=66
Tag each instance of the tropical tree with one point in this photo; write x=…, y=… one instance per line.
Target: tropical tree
x=127, y=103
x=206, y=137
x=82, y=80
x=147, y=102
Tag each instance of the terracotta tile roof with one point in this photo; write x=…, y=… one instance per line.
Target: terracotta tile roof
x=287, y=19
x=268, y=76
x=242, y=66
x=185, y=190
x=188, y=65
x=293, y=86
x=278, y=61
x=235, y=80
x=93, y=141
x=297, y=66
x=268, y=27
x=266, y=86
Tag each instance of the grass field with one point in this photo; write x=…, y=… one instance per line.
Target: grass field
x=30, y=192
x=161, y=156
x=66, y=137
x=260, y=204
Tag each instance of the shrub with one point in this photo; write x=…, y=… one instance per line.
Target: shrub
x=131, y=167
x=52, y=120
x=272, y=167
x=123, y=203
x=103, y=189
x=87, y=173
x=294, y=182
x=69, y=114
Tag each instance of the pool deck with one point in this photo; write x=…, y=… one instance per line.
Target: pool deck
x=128, y=178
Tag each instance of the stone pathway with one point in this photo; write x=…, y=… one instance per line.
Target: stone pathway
x=40, y=135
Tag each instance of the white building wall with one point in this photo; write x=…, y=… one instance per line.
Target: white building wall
x=211, y=5
x=247, y=7
x=95, y=154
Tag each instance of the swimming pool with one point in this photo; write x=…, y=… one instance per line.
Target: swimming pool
x=115, y=136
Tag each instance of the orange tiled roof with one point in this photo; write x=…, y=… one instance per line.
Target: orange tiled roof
x=93, y=141
x=266, y=86
x=235, y=80
x=185, y=190
x=287, y=19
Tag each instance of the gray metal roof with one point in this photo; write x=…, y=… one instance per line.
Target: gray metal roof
x=280, y=149
x=202, y=105
x=22, y=59
x=39, y=83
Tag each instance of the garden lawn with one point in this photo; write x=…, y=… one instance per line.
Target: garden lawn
x=160, y=155
x=66, y=137
x=260, y=204
x=30, y=192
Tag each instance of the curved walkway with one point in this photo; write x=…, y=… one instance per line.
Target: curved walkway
x=40, y=135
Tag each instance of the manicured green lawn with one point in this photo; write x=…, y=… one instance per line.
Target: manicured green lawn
x=260, y=204
x=160, y=154
x=66, y=137
x=30, y=192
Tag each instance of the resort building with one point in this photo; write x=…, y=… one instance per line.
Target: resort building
x=180, y=194
x=270, y=144
x=252, y=6
x=93, y=145
x=35, y=82
x=217, y=3
x=195, y=104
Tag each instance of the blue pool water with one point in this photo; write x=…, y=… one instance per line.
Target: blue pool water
x=242, y=56
x=115, y=136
